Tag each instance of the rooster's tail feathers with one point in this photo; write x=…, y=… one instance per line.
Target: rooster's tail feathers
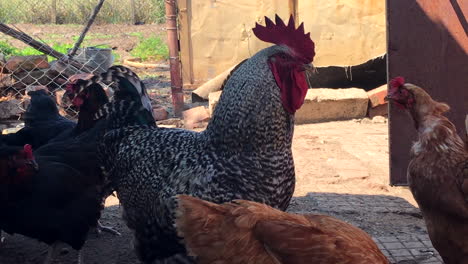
x=126, y=85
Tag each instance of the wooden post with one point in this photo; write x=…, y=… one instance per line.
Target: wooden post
x=173, y=41
x=133, y=11
x=53, y=12
x=185, y=42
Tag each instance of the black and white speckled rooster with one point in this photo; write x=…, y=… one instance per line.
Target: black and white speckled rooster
x=245, y=152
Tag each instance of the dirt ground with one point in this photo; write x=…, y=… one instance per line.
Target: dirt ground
x=341, y=168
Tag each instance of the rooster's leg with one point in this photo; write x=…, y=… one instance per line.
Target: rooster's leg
x=80, y=257
x=51, y=253
x=101, y=228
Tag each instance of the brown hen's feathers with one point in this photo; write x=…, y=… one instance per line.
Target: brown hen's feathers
x=466, y=133
x=438, y=177
x=248, y=232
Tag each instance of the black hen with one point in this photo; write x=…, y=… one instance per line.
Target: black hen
x=65, y=196
x=245, y=153
x=42, y=122
x=62, y=200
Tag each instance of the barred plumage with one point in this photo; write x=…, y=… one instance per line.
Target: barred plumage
x=245, y=153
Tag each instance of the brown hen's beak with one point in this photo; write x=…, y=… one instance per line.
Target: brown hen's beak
x=388, y=97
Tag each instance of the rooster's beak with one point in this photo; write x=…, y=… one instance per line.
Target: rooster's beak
x=309, y=67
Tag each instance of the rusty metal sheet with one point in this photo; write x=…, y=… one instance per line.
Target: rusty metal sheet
x=428, y=45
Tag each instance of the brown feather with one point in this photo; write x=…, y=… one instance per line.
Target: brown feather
x=244, y=232
x=438, y=177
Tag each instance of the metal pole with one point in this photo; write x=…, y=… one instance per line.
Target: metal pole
x=86, y=28
x=173, y=41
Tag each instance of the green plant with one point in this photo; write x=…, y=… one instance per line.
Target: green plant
x=7, y=50
x=135, y=34
x=151, y=48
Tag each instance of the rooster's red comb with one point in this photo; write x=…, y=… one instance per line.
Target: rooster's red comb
x=396, y=83
x=280, y=34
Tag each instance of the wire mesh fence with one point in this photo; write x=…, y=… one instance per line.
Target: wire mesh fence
x=37, y=36
x=77, y=12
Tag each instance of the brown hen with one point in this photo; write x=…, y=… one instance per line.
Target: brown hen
x=244, y=232
x=438, y=171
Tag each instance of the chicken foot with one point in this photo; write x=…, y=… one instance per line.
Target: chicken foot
x=102, y=228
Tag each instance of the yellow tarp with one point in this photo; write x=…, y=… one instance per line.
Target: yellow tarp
x=217, y=34
x=345, y=32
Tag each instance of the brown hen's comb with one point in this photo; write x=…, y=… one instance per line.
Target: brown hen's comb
x=28, y=151
x=281, y=34
x=396, y=83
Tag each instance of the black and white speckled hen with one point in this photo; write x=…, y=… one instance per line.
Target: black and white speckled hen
x=245, y=152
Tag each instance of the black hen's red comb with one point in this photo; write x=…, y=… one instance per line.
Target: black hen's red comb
x=280, y=34
x=28, y=151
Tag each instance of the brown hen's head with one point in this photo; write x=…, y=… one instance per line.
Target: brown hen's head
x=288, y=67
x=17, y=164
x=411, y=97
x=399, y=95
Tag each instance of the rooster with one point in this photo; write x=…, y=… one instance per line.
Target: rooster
x=245, y=152
x=246, y=232
x=438, y=171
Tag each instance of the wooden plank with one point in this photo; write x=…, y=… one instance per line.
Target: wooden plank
x=428, y=45
x=186, y=56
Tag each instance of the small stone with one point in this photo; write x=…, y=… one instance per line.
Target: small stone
x=366, y=121
x=194, y=116
x=379, y=119
x=160, y=113
x=175, y=122
x=6, y=80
